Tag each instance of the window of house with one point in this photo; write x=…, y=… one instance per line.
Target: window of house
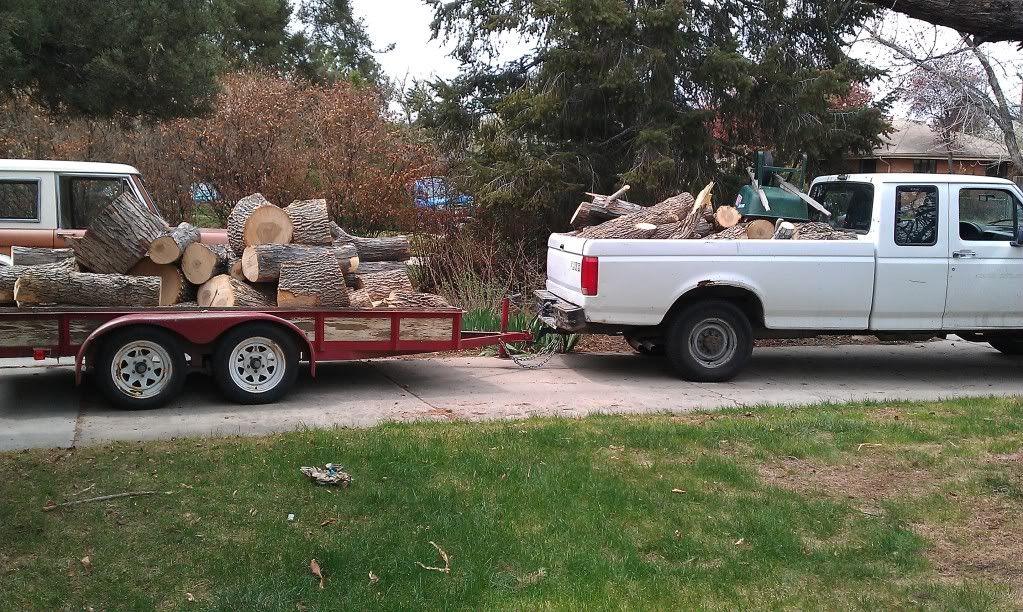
x=82, y=197
x=925, y=166
x=19, y=200
x=868, y=166
x=987, y=214
x=916, y=215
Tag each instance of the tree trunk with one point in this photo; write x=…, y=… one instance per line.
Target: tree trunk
x=225, y=292
x=9, y=276
x=379, y=285
x=396, y=248
x=33, y=256
x=409, y=299
x=987, y=20
x=671, y=210
x=783, y=230
x=593, y=213
x=360, y=299
x=262, y=263
x=57, y=285
x=201, y=262
x=761, y=229
x=311, y=222
x=174, y=288
x=170, y=247
x=737, y=232
x=726, y=217
x=118, y=237
x=254, y=220
x=313, y=282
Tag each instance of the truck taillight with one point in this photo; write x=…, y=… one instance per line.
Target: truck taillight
x=590, y=272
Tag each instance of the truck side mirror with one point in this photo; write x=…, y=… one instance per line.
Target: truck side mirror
x=1018, y=241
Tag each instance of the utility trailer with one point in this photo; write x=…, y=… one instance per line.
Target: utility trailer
x=139, y=357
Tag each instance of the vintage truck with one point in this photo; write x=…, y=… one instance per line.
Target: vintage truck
x=935, y=254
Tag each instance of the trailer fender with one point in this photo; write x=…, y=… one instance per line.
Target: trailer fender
x=196, y=327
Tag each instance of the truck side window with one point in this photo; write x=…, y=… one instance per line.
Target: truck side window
x=916, y=215
x=19, y=200
x=987, y=214
x=82, y=197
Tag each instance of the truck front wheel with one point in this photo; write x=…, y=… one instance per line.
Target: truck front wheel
x=256, y=363
x=710, y=341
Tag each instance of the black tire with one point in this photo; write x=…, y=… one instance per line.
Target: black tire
x=648, y=349
x=1008, y=347
x=259, y=380
x=725, y=336
x=150, y=367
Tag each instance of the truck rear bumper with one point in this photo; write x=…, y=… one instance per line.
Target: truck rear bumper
x=559, y=314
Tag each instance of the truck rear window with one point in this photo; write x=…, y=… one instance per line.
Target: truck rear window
x=850, y=205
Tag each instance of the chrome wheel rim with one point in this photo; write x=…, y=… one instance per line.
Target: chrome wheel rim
x=713, y=342
x=257, y=364
x=141, y=369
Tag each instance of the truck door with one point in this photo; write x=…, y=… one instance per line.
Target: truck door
x=82, y=196
x=985, y=276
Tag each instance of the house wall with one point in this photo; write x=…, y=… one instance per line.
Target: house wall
x=976, y=168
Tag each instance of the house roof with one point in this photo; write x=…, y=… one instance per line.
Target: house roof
x=916, y=140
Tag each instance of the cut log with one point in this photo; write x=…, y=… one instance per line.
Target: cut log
x=313, y=282
x=360, y=299
x=225, y=292
x=118, y=236
x=410, y=299
x=254, y=220
x=9, y=276
x=703, y=228
x=380, y=266
x=379, y=285
x=737, y=232
x=311, y=222
x=726, y=217
x=760, y=229
x=783, y=230
x=692, y=217
x=816, y=230
x=262, y=263
x=35, y=256
x=671, y=210
x=170, y=247
x=602, y=208
x=394, y=248
x=666, y=231
x=235, y=270
x=202, y=262
x=57, y=285
x=174, y=287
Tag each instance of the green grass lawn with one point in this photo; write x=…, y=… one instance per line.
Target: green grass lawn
x=901, y=505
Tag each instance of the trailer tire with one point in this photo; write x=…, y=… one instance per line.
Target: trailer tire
x=139, y=368
x=710, y=341
x=256, y=363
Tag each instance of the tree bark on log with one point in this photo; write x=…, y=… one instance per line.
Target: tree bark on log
x=360, y=299
x=594, y=213
x=201, y=262
x=671, y=210
x=760, y=229
x=379, y=285
x=737, y=232
x=695, y=214
x=170, y=247
x=9, y=276
x=726, y=217
x=57, y=285
x=311, y=222
x=254, y=220
x=313, y=282
x=34, y=256
x=409, y=299
x=118, y=237
x=225, y=292
x=262, y=263
x=174, y=287
x=783, y=230
x=817, y=230
x=395, y=248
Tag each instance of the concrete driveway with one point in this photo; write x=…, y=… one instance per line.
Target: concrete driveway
x=41, y=407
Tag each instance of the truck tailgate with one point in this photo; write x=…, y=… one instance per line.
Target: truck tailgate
x=564, y=267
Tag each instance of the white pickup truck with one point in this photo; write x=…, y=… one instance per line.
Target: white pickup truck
x=934, y=255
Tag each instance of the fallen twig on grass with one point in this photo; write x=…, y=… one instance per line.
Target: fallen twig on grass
x=444, y=557
x=314, y=569
x=52, y=506
x=867, y=445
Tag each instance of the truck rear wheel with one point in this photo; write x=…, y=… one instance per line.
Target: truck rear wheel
x=710, y=341
x=140, y=368
x=256, y=363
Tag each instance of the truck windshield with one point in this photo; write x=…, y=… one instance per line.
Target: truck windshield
x=850, y=205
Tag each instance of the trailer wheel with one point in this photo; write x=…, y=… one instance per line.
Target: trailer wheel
x=256, y=363
x=140, y=368
x=710, y=341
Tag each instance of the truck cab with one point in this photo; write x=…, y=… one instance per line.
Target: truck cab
x=931, y=255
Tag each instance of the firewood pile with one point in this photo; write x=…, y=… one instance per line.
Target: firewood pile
x=683, y=217
x=291, y=257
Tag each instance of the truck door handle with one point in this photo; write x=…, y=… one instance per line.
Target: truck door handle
x=963, y=254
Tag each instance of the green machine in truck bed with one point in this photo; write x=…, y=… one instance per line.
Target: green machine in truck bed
x=781, y=203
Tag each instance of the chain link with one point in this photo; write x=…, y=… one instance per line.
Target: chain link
x=538, y=359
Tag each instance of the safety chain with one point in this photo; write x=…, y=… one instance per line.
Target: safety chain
x=538, y=359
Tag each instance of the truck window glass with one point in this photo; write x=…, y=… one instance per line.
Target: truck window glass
x=987, y=214
x=82, y=197
x=850, y=205
x=916, y=215
x=19, y=200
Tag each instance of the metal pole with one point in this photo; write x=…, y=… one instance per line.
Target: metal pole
x=505, y=305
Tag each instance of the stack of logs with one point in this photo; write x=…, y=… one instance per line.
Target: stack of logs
x=292, y=257
x=684, y=217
